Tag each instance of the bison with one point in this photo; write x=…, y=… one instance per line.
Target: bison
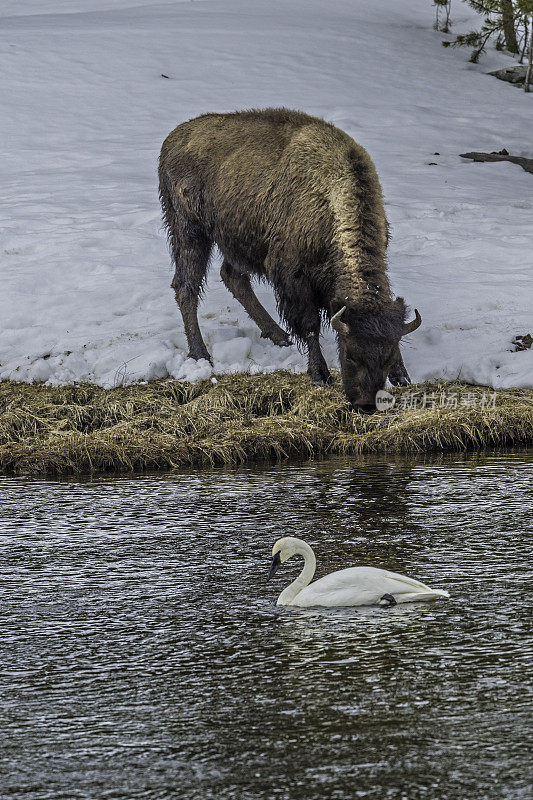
x=291, y=199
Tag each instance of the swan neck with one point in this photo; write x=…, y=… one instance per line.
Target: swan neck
x=304, y=578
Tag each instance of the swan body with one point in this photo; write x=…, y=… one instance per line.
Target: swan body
x=355, y=586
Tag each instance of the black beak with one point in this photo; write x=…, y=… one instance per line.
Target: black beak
x=276, y=562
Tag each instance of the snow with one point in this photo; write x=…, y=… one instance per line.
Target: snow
x=85, y=292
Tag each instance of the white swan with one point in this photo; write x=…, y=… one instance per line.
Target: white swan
x=355, y=586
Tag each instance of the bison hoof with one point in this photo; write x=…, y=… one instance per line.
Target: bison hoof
x=399, y=380
x=199, y=355
x=322, y=381
x=279, y=337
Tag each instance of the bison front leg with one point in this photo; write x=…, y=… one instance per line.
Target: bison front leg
x=298, y=308
x=398, y=374
x=316, y=363
x=239, y=285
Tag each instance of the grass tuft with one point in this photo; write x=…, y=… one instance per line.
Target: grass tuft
x=81, y=429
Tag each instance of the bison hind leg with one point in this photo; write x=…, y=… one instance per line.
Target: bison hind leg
x=191, y=258
x=239, y=285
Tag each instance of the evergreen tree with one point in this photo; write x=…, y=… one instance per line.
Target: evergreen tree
x=502, y=19
x=444, y=6
x=529, y=71
x=508, y=25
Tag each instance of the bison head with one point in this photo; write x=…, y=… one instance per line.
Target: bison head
x=369, y=344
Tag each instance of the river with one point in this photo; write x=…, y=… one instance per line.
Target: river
x=143, y=656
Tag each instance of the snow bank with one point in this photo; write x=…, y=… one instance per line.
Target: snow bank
x=84, y=265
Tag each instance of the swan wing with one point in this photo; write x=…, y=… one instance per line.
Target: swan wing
x=363, y=586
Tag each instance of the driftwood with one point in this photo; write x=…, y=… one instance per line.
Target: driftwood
x=525, y=163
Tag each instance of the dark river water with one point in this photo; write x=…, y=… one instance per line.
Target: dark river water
x=142, y=654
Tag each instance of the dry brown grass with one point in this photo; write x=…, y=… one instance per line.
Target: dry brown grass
x=165, y=424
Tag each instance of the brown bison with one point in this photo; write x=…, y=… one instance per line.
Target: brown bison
x=294, y=200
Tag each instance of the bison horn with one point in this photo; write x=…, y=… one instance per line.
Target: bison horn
x=409, y=327
x=338, y=325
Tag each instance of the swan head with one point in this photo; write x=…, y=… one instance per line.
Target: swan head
x=283, y=549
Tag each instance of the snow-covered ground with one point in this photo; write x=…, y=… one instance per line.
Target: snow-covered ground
x=84, y=267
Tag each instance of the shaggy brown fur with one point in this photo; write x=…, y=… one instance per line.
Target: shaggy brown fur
x=294, y=200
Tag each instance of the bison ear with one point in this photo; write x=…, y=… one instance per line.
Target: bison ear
x=400, y=304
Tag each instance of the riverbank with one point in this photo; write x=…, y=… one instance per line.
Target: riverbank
x=83, y=429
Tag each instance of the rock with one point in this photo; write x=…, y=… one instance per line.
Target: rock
x=523, y=342
x=515, y=74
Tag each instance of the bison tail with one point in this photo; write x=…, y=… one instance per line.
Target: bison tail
x=165, y=197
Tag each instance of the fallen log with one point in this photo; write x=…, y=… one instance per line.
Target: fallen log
x=525, y=163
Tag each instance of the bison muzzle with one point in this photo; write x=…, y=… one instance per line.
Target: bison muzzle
x=294, y=200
